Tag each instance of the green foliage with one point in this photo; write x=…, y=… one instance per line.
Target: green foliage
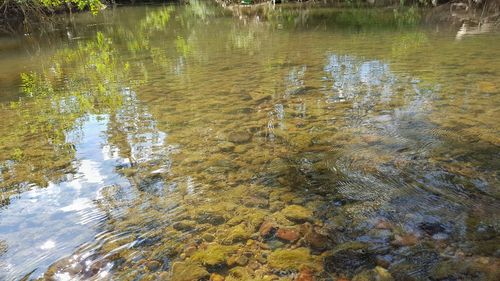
x=92, y=5
x=407, y=16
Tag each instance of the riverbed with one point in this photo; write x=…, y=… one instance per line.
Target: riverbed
x=186, y=143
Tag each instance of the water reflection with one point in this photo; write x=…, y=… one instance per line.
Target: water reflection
x=41, y=225
x=192, y=144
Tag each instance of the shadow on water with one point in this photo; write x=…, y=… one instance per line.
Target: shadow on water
x=177, y=143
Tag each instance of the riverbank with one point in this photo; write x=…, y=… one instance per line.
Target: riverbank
x=447, y=12
x=28, y=15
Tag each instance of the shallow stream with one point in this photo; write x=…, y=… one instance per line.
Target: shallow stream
x=182, y=143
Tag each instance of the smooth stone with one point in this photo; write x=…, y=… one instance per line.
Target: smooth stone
x=211, y=218
x=348, y=256
x=153, y=265
x=405, y=240
x=305, y=274
x=288, y=234
x=316, y=241
x=226, y=146
x=239, y=137
x=184, y=225
x=207, y=237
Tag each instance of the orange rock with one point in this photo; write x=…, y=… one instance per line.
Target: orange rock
x=288, y=234
x=305, y=274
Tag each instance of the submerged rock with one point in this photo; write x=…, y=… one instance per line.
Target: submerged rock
x=239, y=137
x=239, y=233
x=226, y=146
x=288, y=234
x=153, y=265
x=297, y=213
x=292, y=259
x=405, y=240
x=305, y=274
x=216, y=277
x=315, y=240
x=184, y=225
x=212, y=218
x=188, y=271
x=267, y=229
x=349, y=258
x=214, y=254
x=376, y=274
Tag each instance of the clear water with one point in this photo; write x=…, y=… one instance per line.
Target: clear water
x=153, y=143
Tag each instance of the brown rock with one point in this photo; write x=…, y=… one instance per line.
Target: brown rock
x=242, y=260
x=153, y=265
x=267, y=229
x=383, y=224
x=239, y=137
x=288, y=234
x=305, y=274
x=254, y=265
x=316, y=241
x=405, y=240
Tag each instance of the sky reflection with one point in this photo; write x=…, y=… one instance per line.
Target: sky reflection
x=57, y=219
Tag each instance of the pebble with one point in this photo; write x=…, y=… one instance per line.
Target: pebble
x=316, y=241
x=216, y=277
x=242, y=260
x=288, y=234
x=405, y=240
x=226, y=146
x=383, y=225
x=267, y=228
x=305, y=274
x=208, y=237
x=239, y=137
x=153, y=265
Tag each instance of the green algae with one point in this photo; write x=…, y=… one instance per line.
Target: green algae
x=188, y=271
x=292, y=259
x=239, y=233
x=297, y=213
x=214, y=254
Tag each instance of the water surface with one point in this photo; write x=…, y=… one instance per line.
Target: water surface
x=175, y=143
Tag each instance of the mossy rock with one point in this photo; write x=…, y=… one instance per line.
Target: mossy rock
x=239, y=137
x=214, y=214
x=188, y=271
x=376, y=274
x=292, y=259
x=239, y=273
x=239, y=233
x=184, y=225
x=348, y=257
x=214, y=254
x=297, y=213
